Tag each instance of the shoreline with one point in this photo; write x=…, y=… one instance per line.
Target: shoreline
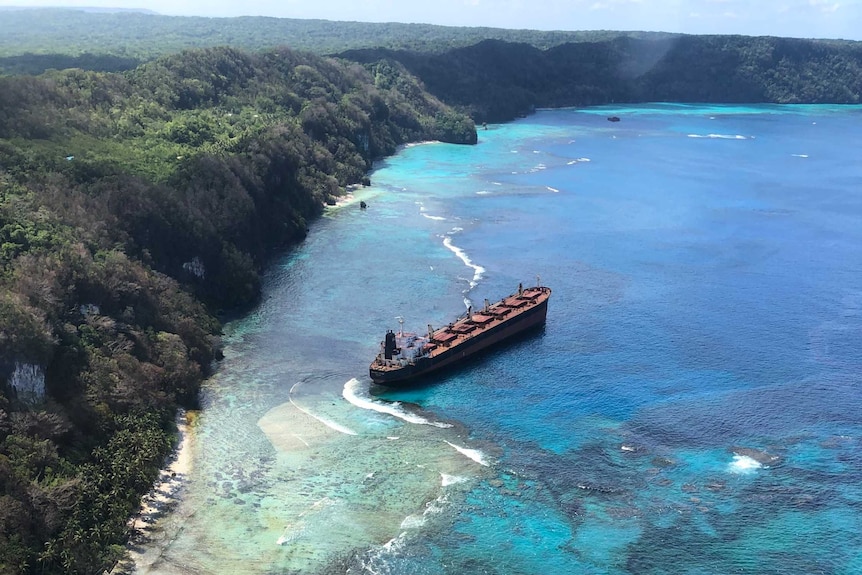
x=162, y=498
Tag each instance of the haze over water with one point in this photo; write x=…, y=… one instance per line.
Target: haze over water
x=692, y=405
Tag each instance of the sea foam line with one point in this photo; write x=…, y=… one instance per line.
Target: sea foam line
x=435, y=218
x=478, y=270
x=473, y=454
x=423, y=143
x=358, y=396
x=722, y=136
x=330, y=424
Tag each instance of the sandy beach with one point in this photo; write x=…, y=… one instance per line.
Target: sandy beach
x=160, y=500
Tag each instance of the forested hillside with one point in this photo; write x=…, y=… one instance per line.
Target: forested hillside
x=132, y=207
x=35, y=40
x=497, y=81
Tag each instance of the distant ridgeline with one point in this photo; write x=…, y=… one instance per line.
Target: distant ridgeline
x=127, y=200
x=37, y=39
x=491, y=73
x=497, y=81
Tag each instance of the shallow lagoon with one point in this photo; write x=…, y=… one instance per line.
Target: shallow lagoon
x=692, y=406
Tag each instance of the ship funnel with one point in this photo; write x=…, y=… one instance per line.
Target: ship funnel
x=520, y=289
x=430, y=332
x=389, y=345
x=487, y=305
x=470, y=312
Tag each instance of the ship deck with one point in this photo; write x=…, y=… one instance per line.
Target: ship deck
x=469, y=326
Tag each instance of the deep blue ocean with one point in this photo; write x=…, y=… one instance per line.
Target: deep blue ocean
x=693, y=405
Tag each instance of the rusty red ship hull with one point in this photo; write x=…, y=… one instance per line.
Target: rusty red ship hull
x=406, y=356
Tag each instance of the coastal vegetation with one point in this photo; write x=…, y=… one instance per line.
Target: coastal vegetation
x=143, y=185
x=34, y=40
x=133, y=208
x=496, y=81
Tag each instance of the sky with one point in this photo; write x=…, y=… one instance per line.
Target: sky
x=796, y=18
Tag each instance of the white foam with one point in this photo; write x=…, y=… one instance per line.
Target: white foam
x=478, y=270
x=578, y=161
x=743, y=464
x=328, y=423
x=291, y=533
x=357, y=394
x=413, y=522
x=497, y=183
x=482, y=193
x=473, y=454
x=799, y=155
x=424, y=143
x=431, y=508
x=435, y=218
x=721, y=136
x=447, y=480
x=555, y=190
x=295, y=530
x=376, y=560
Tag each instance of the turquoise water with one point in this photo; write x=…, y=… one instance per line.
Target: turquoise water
x=692, y=405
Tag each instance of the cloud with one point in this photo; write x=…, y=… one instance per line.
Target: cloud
x=825, y=6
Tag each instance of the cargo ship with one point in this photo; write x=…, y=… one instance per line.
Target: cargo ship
x=405, y=356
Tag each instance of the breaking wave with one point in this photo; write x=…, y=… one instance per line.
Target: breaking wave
x=355, y=393
x=473, y=454
x=447, y=480
x=478, y=271
x=328, y=423
x=743, y=464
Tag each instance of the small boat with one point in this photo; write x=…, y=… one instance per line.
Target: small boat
x=405, y=356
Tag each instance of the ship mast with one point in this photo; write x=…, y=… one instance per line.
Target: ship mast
x=400, y=325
